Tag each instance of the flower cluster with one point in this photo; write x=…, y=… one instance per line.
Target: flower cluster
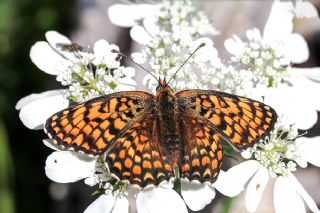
x=87, y=75
x=277, y=152
x=170, y=35
x=266, y=61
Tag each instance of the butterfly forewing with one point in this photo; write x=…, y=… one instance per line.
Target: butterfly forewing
x=240, y=121
x=92, y=126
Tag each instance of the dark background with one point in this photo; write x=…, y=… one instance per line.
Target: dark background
x=23, y=184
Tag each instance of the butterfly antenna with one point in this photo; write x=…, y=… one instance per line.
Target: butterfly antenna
x=120, y=53
x=200, y=46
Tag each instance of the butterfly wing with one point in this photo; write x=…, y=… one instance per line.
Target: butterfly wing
x=202, y=151
x=93, y=126
x=137, y=156
x=238, y=120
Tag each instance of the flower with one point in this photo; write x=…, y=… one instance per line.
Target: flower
x=276, y=157
x=87, y=75
x=304, y=9
x=269, y=58
x=170, y=33
x=36, y=108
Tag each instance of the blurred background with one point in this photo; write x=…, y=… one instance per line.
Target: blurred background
x=23, y=184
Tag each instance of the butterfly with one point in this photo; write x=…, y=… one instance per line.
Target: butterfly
x=146, y=139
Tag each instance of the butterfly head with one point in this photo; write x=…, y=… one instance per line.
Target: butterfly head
x=163, y=87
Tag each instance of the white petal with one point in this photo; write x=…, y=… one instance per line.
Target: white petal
x=100, y=48
x=232, y=182
x=297, y=49
x=38, y=108
x=294, y=102
x=33, y=97
x=129, y=72
x=234, y=45
x=206, y=53
x=138, y=57
x=255, y=189
x=305, y=10
x=49, y=144
x=103, y=204
x=53, y=37
x=151, y=26
x=128, y=15
x=197, y=196
x=121, y=205
x=304, y=194
x=286, y=199
x=159, y=200
x=309, y=149
x=46, y=59
x=67, y=167
x=140, y=35
x=127, y=82
x=279, y=24
x=167, y=184
x=310, y=73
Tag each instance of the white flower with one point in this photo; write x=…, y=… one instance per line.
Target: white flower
x=308, y=149
x=170, y=34
x=36, y=108
x=108, y=203
x=160, y=200
x=269, y=58
x=87, y=74
x=296, y=101
x=133, y=13
x=66, y=167
x=276, y=157
x=310, y=73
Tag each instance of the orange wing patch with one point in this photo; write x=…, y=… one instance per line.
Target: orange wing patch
x=203, y=151
x=91, y=127
x=138, y=157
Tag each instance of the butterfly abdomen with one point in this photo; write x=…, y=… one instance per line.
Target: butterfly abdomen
x=169, y=137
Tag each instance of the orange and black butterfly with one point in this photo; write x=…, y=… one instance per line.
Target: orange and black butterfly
x=146, y=139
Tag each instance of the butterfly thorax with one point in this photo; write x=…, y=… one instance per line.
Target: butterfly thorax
x=167, y=118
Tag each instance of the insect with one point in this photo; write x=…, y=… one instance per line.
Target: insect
x=146, y=139
x=73, y=47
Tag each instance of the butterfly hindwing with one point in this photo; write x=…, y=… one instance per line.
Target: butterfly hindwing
x=137, y=156
x=202, y=151
x=240, y=121
x=91, y=127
